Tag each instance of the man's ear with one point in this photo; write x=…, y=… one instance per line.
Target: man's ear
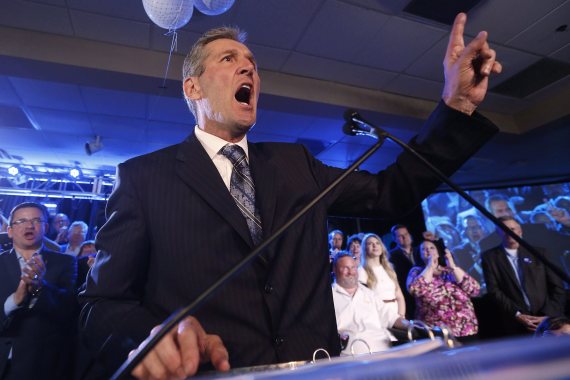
x=192, y=88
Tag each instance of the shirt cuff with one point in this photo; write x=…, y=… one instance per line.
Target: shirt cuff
x=10, y=305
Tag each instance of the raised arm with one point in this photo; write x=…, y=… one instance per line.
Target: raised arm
x=467, y=68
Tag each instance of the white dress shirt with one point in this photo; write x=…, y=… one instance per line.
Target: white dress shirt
x=362, y=317
x=212, y=144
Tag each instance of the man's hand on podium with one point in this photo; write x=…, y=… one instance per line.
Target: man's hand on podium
x=179, y=354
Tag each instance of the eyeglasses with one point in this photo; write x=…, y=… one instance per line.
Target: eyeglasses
x=24, y=221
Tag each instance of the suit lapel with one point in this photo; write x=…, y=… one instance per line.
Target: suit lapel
x=264, y=179
x=13, y=271
x=197, y=170
x=505, y=265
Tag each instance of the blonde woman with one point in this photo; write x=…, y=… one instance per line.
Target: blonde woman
x=377, y=274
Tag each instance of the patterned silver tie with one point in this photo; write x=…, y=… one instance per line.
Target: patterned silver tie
x=242, y=190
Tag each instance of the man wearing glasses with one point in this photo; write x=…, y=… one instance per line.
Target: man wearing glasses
x=38, y=311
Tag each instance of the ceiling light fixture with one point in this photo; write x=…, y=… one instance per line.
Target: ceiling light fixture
x=13, y=170
x=74, y=173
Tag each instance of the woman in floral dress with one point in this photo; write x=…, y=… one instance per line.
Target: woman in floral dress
x=443, y=293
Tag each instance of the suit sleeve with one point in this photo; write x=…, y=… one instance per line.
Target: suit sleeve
x=113, y=320
x=500, y=299
x=447, y=140
x=58, y=297
x=556, y=299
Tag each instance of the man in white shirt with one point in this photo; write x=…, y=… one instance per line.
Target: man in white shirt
x=358, y=314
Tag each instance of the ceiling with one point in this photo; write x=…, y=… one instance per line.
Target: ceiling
x=74, y=69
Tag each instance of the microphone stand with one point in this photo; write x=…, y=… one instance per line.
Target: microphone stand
x=127, y=367
x=356, y=125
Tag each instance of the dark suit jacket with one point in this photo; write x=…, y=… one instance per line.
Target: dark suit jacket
x=173, y=229
x=41, y=337
x=543, y=288
x=402, y=267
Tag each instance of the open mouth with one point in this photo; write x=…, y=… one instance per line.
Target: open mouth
x=243, y=95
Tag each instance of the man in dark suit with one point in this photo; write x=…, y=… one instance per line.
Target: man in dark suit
x=522, y=288
x=468, y=254
x=404, y=257
x=174, y=226
x=38, y=317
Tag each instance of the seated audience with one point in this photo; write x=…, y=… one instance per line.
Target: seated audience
x=522, y=288
x=76, y=235
x=443, y=293
x=377, y=274
x=354, y=246
x=359, y=315
x=556, y=326
x=38, y=314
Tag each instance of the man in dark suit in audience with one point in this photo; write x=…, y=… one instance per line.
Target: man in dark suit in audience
x=522, y=288
x=39, y=309
x=468, y=254
x=220, y=196
x=403, y=258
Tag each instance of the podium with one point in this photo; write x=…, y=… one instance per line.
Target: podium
x=517, y=359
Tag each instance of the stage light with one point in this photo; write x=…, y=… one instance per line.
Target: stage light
x=13, y=171
x=93, y=146
x=74, y=173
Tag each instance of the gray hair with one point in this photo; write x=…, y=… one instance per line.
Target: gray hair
x=194, y=61
x=83, y=225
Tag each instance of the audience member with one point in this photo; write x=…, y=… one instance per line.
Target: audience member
x=3, y=222
x=556, y=326
x=554, y=242
x=403, y=258
x=39, y=308
x=468, y=254
x=58, y=231
x=443, y=293
x=359, y=313
x=500, y=206
x=336, y=240
x=559, y=210
x=377, y=274
x=354, y=246
x=523, y=289
x=85, y=260
x=444, y=229
x=76, y=235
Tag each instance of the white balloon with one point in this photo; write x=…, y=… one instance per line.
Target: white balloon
x=213, y=7
x=169, y=14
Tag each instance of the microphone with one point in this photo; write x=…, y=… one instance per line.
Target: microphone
x=356, y=126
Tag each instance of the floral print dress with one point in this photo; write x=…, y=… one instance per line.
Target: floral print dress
x=444, y=301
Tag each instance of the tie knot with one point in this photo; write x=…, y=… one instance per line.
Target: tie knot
x=234, y=153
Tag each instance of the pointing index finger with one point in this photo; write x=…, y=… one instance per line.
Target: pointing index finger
x=456, y=35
